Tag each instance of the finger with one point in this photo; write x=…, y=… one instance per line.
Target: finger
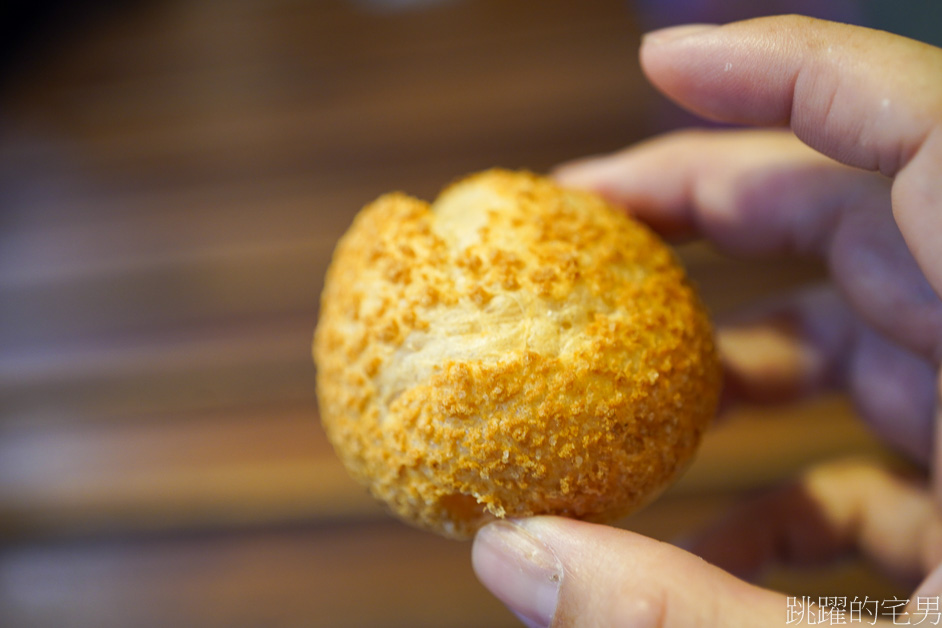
x=895, y=393
x=810, y=341
x=936, y=462
x=557, y=571
x=866, y=98
x=834, y=509
x=763, y=192
x=750, y=192
x=917, y=203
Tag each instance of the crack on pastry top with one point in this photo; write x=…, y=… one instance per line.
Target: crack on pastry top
x=523, y=275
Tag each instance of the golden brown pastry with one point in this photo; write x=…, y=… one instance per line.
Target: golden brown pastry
x=515, y=348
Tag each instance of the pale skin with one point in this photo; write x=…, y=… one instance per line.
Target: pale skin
x=849, y=169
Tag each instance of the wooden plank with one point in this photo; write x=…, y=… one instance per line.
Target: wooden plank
x=370, y=575
x=177, y=370
x=252, y=468
x=179, y=39
x=505, y=93
x=152, y=294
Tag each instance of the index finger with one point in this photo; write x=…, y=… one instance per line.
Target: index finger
x=864, y=97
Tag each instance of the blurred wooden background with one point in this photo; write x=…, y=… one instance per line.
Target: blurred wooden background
x=173, y=176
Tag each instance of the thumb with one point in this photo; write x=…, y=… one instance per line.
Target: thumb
x=560, y=572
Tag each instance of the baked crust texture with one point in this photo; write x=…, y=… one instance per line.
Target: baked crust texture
x=513, y=349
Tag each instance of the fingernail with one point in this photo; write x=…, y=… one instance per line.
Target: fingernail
x=520, y=570
x=675, y=33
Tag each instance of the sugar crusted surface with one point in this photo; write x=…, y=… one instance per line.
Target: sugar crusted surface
x=513, y=349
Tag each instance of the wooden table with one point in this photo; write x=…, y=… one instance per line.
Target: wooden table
x=173, y=176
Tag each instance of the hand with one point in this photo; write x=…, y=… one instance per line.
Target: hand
x=861, y=187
